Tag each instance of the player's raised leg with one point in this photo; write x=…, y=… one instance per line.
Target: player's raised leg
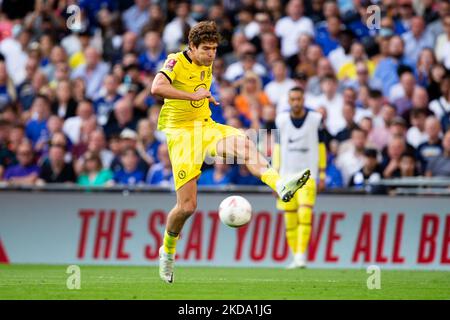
x=247, y=152
x=184, y=208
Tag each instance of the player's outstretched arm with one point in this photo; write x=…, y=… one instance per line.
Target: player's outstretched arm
x=161, y=86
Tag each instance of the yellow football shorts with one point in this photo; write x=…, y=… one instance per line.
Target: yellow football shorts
x=189, y=145
x=305, y=196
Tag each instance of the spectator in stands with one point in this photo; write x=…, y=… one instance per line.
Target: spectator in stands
x=383, y=38
x=280, y=85
x=309, y=64
x=130, y=174
x=135, y=17
x=406, y=13
x=246, y=23
x=86, y=129
x=97, y=144
x=327, y=136
x=443, y=43
x=72, y=126
x=7, y=89
x=433, y=146
x=161, y=173
x=25, y=90
x=401, y=93
x=54, y=126
x=407, y=166
x=93, y=173
x=252, y=99
x=26, y=172
x=219, y=175
x=369, y=173
x=104, y=105
x=64, y=105
x=36, y=128
x=264, y=26
x=333, y=179
x=349, y=96
x=327, y=36
x=124, y=117
x=295, y=62
x=416, y=39
x=358, y=54
x=14, y=50
x=241, y=176
x=79, y=89
x=92, y=72
x=153, y=57
x=416, y=134
x=342, y=54
x=7, y=156
x=437, y=75
x=386, y=70
x=439, y=166
x=394, y=150
x=419, y=101
x=16, y=136
x=441, y=106
x=371, y=107
x=351, y=159
x=437, y=28
x=348, y=112
x=175, y=30
x=362, y=77
x=324, y=68
x=246, y=63
x=109, y=29
x=425, y=63
x=333, y=102
x=129, y=45
x=147, y=144
x=398, y=129
x=76, y=46
x=291, y=26
x=55, y=169
x=126, y=140
x=57, y=55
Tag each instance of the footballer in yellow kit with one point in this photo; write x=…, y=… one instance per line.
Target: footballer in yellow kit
x=300, y=146
x=188, y=124
x=185, y=118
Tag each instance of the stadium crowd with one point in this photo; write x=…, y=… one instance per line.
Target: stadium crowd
x=76, y=106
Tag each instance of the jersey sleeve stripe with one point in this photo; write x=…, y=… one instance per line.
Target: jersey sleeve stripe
x=168, y=78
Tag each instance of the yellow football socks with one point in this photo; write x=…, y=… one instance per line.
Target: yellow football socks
x=291, y=220
x=271, y=177
x=170, y=243
x=304, y=227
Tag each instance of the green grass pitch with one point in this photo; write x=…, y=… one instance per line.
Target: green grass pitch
x=129, y=282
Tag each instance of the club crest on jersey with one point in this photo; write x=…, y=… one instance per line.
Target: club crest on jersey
x=181, y=174
x=170, y=64
x=202, y=75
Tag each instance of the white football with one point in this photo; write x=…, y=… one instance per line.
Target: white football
x=235, y=211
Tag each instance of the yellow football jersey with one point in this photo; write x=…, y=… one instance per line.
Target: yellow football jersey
x=184, y=75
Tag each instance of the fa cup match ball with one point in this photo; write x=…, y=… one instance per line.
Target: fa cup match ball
x=235, y=211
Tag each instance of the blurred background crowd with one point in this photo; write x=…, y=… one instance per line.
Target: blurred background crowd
x=76, y=107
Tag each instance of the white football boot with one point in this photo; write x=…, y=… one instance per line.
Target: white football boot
x=287, y=187
x=166, y=263
x=299, y=262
